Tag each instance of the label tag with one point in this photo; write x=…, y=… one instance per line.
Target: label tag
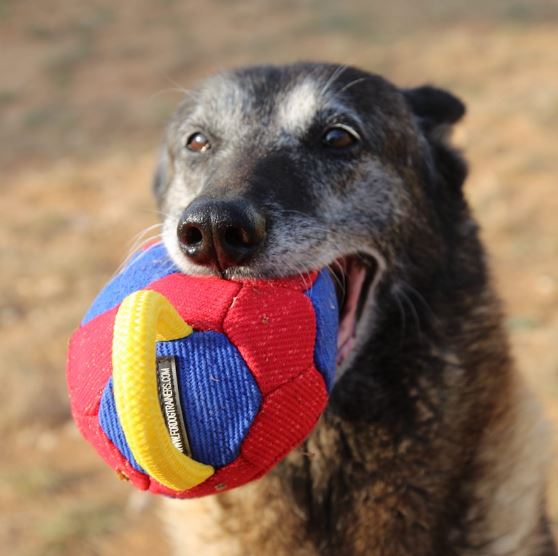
x=169, y=398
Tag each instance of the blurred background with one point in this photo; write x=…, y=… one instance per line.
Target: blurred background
x=85, y=91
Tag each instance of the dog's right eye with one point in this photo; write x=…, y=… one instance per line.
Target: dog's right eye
x=339, y=137
x=198, y=142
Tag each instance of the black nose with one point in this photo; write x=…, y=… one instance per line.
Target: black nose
x=221, y=233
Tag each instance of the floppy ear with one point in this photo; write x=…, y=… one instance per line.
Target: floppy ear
x=162, y=176
x=435, y=109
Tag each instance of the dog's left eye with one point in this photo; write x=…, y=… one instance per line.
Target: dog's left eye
x=338, y=137
x=198, y=142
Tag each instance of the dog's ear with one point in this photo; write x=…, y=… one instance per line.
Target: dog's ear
x=435, y=109
x=162, y=176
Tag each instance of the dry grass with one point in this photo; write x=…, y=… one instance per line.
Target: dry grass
x=83, y=97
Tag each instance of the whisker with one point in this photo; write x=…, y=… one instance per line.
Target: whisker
x=353, y=83
x=156, y=212
x=403, y=318
x=334, y=76
x=303, y=274
x=340, y=277
x=415, y=314
x=420, y=298
x=138, y=238
x=297, y=271
x=178, y=85
x=316, y=226
x=167, y=90
x=138, y=245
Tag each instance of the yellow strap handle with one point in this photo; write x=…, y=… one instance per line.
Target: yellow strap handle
x=143, y=318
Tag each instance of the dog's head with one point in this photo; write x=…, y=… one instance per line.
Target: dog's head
x=271, y=171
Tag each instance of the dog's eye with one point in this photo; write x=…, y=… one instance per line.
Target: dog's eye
x=198, y=142
x=339, y=138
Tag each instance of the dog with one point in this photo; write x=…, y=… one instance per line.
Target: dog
x=431, y=444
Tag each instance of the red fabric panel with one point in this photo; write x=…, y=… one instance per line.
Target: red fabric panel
x=89, y=364
x=89, y=368
x=298, y=283
x=236, y=473
x=202, y=302
x=286, y=418
x=91, y=430
x=274, y=329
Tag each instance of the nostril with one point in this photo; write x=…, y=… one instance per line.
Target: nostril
x=237, y=237
x=191, y=235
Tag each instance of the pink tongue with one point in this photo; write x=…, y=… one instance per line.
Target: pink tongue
x=355, y=276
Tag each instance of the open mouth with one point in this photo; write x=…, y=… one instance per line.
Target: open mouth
x=354, y=275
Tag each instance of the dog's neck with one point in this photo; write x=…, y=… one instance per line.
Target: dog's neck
x=429, y=446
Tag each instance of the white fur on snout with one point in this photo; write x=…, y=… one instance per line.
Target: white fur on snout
x=298, y=108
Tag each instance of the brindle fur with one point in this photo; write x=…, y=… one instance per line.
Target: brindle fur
x=431, y=443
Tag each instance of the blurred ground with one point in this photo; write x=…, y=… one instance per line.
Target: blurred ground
x=85, y=89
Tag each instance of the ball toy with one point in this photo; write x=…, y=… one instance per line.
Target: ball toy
x=189, y=385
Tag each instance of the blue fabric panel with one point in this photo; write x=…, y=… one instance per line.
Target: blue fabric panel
x=108, y=419
x=323, y=297
x=219, y=395
x=144, y=267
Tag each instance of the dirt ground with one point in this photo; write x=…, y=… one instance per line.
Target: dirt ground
x=85, y=89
